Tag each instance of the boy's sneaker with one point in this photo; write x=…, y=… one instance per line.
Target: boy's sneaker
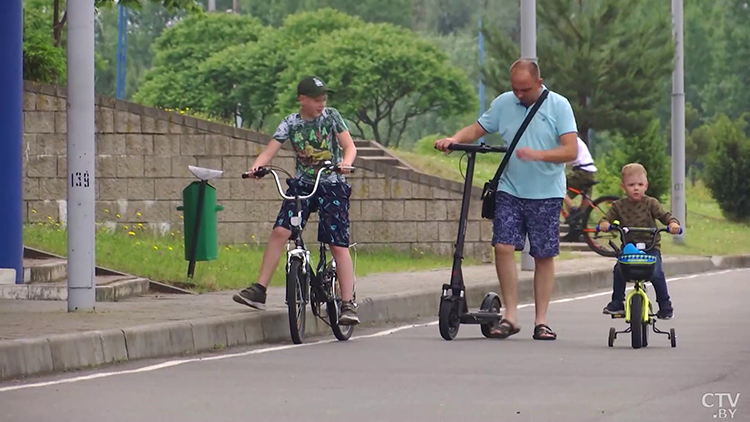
x=348, y=314
x=253, y=296
x=666, y=313
x=614, y=308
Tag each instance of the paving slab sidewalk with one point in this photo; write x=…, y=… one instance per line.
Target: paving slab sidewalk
x=38, y=337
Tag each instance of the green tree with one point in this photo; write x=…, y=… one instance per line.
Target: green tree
x=725, y=93
x=175, y=81
x=611, y=59
x=728, y=168
x=60, y=13
x=648, y=149
x=384, y=76
x=243, y=79
x=42, y=61
x=145, y=25
x=397, y=12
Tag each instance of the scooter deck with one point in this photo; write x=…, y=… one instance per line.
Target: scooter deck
x=480, y=318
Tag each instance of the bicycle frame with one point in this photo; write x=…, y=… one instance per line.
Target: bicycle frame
x=638, y=290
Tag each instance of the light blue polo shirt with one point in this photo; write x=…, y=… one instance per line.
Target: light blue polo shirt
x=531, y=179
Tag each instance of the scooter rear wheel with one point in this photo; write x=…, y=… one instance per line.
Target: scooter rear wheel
x=490, y=304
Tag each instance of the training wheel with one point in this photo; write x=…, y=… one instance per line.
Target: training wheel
x=448, y=319
x=672, y=338
x=612, y=336
x=490, y=304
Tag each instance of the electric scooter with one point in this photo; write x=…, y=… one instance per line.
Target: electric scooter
x=453, y=307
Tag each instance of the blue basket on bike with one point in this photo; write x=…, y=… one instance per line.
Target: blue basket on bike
x=638, y=266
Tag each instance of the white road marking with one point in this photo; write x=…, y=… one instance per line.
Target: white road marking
x=173, y=363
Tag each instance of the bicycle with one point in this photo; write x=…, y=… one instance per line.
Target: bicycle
x=582, y=223
x=638, y=269
x=303, y=284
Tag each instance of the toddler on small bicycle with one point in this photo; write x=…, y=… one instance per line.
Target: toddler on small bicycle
x=639, y=210
x=317, y=134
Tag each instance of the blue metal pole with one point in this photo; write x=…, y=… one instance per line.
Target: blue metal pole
x=481, y=78
x=11, y=136
x=122, y=51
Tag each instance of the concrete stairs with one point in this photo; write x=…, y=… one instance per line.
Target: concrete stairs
x=45, y=278
x=374, y=152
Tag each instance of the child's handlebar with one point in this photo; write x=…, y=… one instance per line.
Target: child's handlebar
x=615, y=225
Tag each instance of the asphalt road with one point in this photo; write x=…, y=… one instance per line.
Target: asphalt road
x=413, y=375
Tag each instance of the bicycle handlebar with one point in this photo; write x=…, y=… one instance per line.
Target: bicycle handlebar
x=480, y=148
x=625, y=230
x=263, y=171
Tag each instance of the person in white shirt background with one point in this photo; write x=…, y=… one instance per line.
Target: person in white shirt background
x=580, y=178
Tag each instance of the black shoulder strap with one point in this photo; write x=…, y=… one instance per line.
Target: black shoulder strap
x=521, y=129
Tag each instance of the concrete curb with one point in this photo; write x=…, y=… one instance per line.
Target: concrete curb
x=45, y=355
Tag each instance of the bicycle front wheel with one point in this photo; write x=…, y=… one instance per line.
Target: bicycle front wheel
x=598, y=241
x=636, y=321
x=295, y=300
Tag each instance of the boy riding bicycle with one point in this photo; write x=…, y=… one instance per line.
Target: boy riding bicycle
x=317, y=133
x=639, y=210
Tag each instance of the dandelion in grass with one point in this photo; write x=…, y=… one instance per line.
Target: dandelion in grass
x=170, y=248
x=106, y=210
x=156, y=248
x=137, y=243
x=131, y=233
x=125, y=227
x=138, y=214
x=33, y=211
x=117, y=215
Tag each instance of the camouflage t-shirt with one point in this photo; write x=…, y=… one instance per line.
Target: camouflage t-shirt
x=314, y=141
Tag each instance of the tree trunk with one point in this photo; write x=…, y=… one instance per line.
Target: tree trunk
x=56, y=27
x=376, y=133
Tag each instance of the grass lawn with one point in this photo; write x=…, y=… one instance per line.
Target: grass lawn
x=707, y=232
x=162, y=258
x=446, y=166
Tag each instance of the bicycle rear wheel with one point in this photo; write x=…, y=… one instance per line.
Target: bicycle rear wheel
x=342, y=332
x=295, y=300
x=599, y=241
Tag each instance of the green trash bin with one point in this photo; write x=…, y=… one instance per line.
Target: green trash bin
x=201, y=226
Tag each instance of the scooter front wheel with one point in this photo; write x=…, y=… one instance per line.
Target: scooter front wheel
x=448, y=319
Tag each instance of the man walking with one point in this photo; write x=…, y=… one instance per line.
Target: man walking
x=531, y=189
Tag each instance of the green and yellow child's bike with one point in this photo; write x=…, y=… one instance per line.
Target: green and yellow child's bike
x=637, y=267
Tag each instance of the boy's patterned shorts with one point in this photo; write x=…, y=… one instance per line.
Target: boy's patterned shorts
x=331, y=201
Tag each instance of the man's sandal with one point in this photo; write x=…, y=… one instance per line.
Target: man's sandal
x=543, y=332
x=503, y=330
